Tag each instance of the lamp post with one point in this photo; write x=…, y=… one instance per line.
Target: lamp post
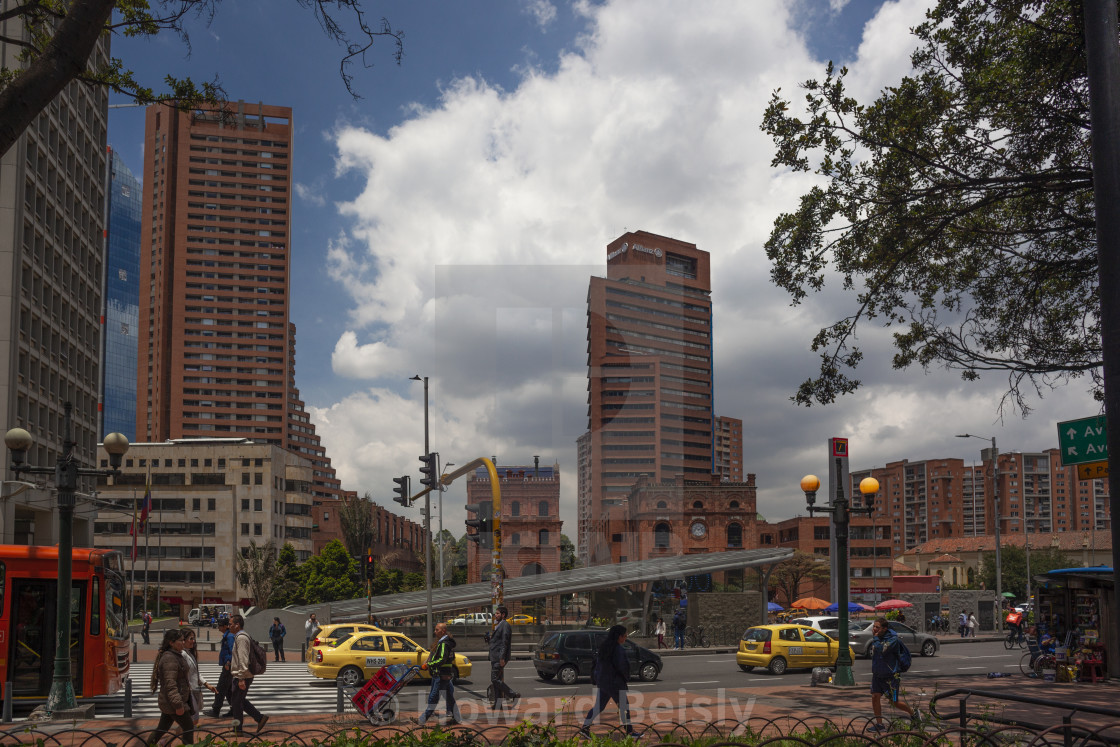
x=427, y=516
x=995, y=496
x=66, y=472
x=840, y=510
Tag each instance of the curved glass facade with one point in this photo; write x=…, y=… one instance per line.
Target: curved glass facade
x=122, y=302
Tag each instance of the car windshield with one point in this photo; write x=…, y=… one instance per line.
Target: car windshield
x=757, y=634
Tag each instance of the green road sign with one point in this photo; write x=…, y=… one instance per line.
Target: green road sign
x=1083, y=441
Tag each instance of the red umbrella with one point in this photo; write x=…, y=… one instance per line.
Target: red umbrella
x=892, y=604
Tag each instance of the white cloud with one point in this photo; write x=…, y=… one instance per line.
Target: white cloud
x=477, y=223
x=304, y=192
x=542, y=11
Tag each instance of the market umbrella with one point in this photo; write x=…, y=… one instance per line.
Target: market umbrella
x=833, y=608
x=774, y=607
x=1009, y=594
x=809, y=603
x=865, y=608
x=892, y=604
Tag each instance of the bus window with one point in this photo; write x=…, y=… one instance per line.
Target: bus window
x=95, y=607
x=116, y=624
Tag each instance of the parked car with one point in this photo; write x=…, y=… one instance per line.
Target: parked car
x=355, y=659
x=567, y=655
x=918, y=643
x=473, y=618
x=782, y=647
x=830, y=625
x=332, y=635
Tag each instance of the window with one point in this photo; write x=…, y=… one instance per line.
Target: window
x=697, y=504
x=258, y=504
x=661, y=534
x=369, y=643
x=211, y=504
x=733, y=504
x=542, y=508
x=244, y=504
x=196, y=504
x=515, y=508
x=257, y=529
x=662, y=504
x=735, y=535
x=258, y=478
x=244, y=529
x=542, y=537
x=244, y=478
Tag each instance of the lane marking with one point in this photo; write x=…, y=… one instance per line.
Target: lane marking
x=700, y=682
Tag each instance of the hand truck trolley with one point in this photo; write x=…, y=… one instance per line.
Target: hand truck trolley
x=377, y=698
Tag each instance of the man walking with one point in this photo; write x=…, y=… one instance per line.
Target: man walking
x=242, y=678
x=276, y=633
x=501, y=643
x=225, y=657
x=679, y=626
x=441, y=666
x=886, y=675
x=146, y=630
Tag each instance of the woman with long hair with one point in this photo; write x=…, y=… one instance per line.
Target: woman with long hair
x=190, y=657
x=170, y=676
x=611, y=675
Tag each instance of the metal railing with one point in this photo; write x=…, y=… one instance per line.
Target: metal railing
x=986, y=713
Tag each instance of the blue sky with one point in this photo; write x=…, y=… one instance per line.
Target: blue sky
x=447, y=222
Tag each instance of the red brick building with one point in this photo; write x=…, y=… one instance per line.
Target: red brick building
x=530, y=520
x=217, y=349
x=400, y=544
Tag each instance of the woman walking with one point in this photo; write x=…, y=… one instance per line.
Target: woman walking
x=170, y=675
x=194, y=676
x=611, y=674
x=659, y=629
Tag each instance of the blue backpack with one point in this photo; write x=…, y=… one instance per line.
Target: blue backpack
x=904, y=658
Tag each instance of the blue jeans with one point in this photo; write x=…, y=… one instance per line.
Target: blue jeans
x=446, y=684
x=603, y=698
x=678, y=639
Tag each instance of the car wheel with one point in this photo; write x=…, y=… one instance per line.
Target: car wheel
x=546, y=676
x=745, y=668
x=648, y=672
x=567, y=675
x=777, y=665
x=351, y=676
x=929, y=648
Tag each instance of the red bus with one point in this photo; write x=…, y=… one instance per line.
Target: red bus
x=99, y=653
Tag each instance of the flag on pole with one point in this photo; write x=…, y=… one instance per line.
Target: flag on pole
x=146, y=505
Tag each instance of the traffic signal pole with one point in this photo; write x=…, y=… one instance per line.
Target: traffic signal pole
x=491, y=534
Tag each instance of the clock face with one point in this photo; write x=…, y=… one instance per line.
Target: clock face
x=698, y=530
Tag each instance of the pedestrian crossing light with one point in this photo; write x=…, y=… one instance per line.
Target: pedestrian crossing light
x=370, y=560
x=428, y=469
x=484, y=524
x=402, y=490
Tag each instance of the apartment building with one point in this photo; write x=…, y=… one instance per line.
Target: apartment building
x=728, y=446
x=584, y=518
x=52, y=218
x=218, y=348
x=649, y=330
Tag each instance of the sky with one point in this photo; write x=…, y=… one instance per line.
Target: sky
x=447, y=223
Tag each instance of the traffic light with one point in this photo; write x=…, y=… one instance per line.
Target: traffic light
x=484, y=524
x=371, y=566
x=402, y=491
x=428, y=470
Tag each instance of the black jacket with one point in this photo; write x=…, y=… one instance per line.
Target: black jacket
x=614, y=671
x=501, y=641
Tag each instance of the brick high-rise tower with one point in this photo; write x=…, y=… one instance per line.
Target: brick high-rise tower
x=217, y=351
x=649, y=359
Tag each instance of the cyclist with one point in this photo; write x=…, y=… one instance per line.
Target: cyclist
x=1014, y=621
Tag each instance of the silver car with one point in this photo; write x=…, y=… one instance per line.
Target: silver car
x=918, y=643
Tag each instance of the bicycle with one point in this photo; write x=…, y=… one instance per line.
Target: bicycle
x=1011, y=641
x=1033, y=663
x=694, y=637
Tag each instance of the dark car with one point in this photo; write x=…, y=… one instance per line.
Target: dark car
x=567, y=655
x=918, y=643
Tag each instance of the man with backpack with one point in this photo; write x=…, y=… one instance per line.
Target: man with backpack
x=889, y=659
x=244, y=661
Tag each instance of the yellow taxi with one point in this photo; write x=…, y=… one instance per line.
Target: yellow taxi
x=355, y=659
x=782, y=647
x=523, y=620
x=332, y=635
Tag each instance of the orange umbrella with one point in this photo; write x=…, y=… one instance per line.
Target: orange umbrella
x=809, y=603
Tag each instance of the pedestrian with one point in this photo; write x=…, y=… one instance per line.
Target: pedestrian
x=501, y=643
x=145, y=631
x=962, y=623
x=886, y=674
x=659, y=629
x=441, y=667
x=276, y=633
x=242, y=679
x=225, y=657
x=973, y=623
x=310, y=630
x=171, y=678
x=194, y=676
x=679, y=626
x=611, y=675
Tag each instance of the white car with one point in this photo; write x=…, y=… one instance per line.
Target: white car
x=474, y=618
x=830, y=624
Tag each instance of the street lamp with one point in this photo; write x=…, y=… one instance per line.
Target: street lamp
x=995, y=496
x=840, y=511
x=427, y=516
x=66, y=472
